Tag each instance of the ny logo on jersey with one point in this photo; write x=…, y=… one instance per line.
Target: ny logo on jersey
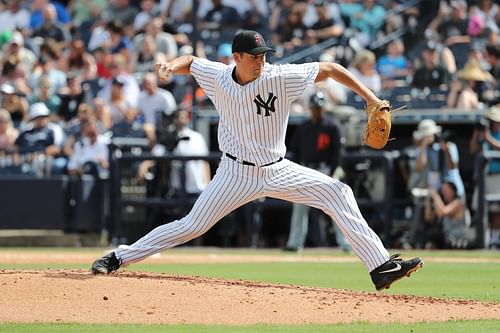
x=267, y=105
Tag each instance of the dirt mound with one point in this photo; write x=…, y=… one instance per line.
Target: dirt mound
x=128, y=297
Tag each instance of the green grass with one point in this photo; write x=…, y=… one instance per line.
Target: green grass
x=447, y=327
x=478, y=281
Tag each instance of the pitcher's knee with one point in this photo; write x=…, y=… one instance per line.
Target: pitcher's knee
x=341, y=189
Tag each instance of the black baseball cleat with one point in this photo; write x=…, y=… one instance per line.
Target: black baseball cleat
x=394, y=269
x=107, y=264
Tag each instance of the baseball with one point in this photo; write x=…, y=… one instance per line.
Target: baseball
x=164, y=74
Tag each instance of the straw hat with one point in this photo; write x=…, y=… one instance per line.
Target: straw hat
x=472, y=71
x=425, y=128
x=493, y=114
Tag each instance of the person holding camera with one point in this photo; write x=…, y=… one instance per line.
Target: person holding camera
x=437, y=160
x=438, y=156
x=447, y=219
x=486, y=136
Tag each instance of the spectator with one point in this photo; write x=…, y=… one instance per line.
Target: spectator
x=118, y=69
x=121, y=111
x=279, y=14
x=8, y=133
x=90, y=153
x=120, y=10
x=77, y=60
x=454, y=29
x=72, y=95
x=46, y=67
x=482, y=17
x=325, y=26
x=118, y=40
x=165, y=42
x=492, y=56
x=225, y=54
x=221, y=16
x=393, y=65
x=153, y=102
x=447, y=219
x=47, y=96
x=86, y=12
x=15, y=104
x=291, y=33
x=431, y=74
x=42, y=140
x=14, y=16
x=192, y=143
x=466, y=92
x=148, y=11
x=37, y=17
x=15, y=53
x=103, y=114
x=438, y=156
x=486, y=137
x=174, y=136
x=50, y=28
x=147, y=56
x=364, y=68
x=366, y=19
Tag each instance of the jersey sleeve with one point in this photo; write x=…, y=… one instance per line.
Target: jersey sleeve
x=299, y=77
x=205, y=71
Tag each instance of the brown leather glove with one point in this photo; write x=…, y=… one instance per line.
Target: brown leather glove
x=378, y=127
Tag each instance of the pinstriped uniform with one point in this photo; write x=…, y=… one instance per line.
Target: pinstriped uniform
x=252, y=127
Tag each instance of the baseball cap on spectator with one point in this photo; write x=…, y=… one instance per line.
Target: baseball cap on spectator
x=17, y=38
x=430, y=45
x=425, y=128
x=117, y=81
x=458, y=4
x=7, y=89
x=317, y=100
x=38, y=110
x=319, y=3
x=250, y=41
x=224, y=50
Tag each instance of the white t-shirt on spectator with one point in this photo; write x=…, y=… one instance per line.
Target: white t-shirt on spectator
x=196, y=180
x=12, y=21
x=150, y=105
x=131, y=89
x=84, y=151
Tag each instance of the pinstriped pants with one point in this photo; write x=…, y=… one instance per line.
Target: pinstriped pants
x=235, y=185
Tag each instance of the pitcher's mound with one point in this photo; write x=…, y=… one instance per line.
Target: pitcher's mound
x=127, y=297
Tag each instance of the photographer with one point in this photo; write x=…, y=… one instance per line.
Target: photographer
x=436, y=160
x=175, y=137
x=486, y=136
x=447, y=219
x=438, y=156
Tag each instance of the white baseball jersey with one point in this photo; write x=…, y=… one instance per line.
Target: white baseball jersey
x=252, y=126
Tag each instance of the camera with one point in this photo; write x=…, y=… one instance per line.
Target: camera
x=167, y=131
x=444, y=136
x=482, y=124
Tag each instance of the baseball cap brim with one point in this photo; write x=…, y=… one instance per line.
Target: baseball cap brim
x=261, y=49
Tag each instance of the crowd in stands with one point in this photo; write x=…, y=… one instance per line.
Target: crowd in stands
x=75, y=73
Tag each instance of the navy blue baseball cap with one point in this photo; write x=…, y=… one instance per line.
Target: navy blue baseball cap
x=250, y=41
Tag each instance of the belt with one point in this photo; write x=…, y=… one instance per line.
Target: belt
x=234, y=158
